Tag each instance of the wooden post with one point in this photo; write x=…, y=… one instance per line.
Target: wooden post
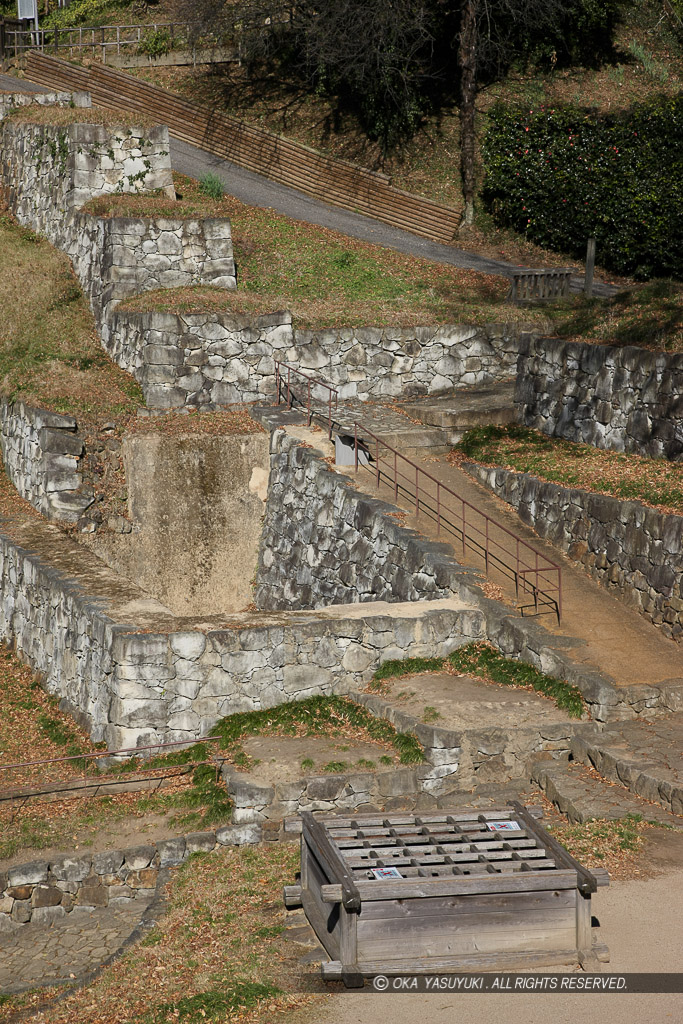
x=590, y=267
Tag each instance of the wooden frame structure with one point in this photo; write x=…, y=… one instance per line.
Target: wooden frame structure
x=448, y=891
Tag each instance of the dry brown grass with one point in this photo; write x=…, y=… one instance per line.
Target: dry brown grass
x=219, y=954
x=61, y=117
x=655, y=482
x=323, y=277
x=50, y=354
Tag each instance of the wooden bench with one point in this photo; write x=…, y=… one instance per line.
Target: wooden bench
x=460, y=890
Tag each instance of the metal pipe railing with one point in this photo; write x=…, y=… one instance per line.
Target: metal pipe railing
x=108, y=753
x=531, y=572
x=310, y=381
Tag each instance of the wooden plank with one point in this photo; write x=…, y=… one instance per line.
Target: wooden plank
x=291, y=895
x=463, y=906
x=447, y=933
x=319, y=843
x=477, y=962
x=413, y=888
x=587, y=882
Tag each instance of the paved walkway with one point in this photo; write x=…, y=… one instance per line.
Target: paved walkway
x=612, y=638
x=616, y=639
x=260, y=191
x=72, y=946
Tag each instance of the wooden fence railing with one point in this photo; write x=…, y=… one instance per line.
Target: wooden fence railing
x=289, y=163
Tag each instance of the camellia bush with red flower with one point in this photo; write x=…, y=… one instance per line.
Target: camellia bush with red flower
x=563, y=175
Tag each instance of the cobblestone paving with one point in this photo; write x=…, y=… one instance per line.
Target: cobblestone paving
x=70, y=947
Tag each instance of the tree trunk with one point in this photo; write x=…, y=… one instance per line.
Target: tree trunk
x=467, y=60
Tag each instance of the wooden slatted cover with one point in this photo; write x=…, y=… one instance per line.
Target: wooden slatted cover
x=439, y=846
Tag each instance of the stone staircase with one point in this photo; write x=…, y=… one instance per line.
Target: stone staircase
x=630, y=768
x=461, y=410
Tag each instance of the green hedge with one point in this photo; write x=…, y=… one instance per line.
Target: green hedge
x=562, y=175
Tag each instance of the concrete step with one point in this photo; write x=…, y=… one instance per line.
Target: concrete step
x=582, y=795
x=464, y=408
x=644, y=757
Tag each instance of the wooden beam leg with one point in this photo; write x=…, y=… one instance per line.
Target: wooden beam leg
x=584, y=935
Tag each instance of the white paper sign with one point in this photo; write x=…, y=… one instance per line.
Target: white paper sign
x=503, y=826
x=386, y=873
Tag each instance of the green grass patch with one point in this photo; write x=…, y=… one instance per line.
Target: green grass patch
x=317, y=716
x=655, y=482
x=407, y=666
x=324, y=278
x=480, y=659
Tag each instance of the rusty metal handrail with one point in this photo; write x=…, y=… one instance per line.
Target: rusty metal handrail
x=541, y=567
x=108, y=753
x=522, y=569
x=279, y=366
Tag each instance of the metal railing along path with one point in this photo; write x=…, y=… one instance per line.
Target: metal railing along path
x=99, y=40
x=310, y=383
x=130, y=780
x=530, y=571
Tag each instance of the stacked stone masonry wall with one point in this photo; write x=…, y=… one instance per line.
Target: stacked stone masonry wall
x=41, y=452
x=626, y=545
x=175, y=682
x=42, y=891
x=627, y=399
x=325, y=543
x=50, y=172
x=219, y=358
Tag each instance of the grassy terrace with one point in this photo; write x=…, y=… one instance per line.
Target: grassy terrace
x=655, y=482
x=323, y=277
x=50, y=354
x=649, y=316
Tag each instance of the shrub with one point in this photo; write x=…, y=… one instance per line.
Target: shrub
x=156, y=43
x=562, y=175
x=210, y=185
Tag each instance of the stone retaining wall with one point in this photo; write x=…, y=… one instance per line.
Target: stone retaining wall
x=43, y=890
x=69, y=616
x=221, y=358
x=454, y=762
x=631, y=548
x=325, y=543
x=41, y=452
x=50, y=172
x=627, y=399
x=11, y=100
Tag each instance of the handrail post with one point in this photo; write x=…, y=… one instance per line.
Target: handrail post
x=463, y=531
x=486, y=548
x=517, y=572
x=329, y=416
x=289, y=378
x=355, y=441
x=559, y=595
x=395, y=475
x=277, y=381
x=377, y=461
x=417, y=491
x=309, y=402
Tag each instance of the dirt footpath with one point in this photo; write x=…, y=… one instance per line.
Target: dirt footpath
x=641, y=922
